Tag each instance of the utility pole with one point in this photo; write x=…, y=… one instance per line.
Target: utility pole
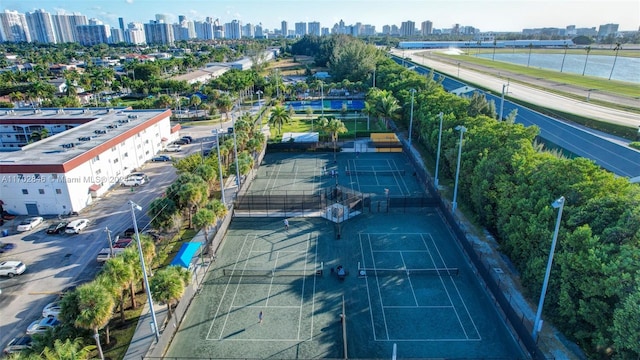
x=106, y=229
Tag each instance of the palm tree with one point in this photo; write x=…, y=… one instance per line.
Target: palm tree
x=616, y=49
x=530, y=46
x=334, y=127
x=120, y=274
x=95, y=306
x=278, y=117
x=368, y=110
x=387, y=107
x=67, y=350
x=195, y=101
x=203, y=219
x=494, y=50
x=588, y=50
x=224, y=105
x=168, y=284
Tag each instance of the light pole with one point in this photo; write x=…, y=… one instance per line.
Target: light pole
x=438, y=155
x=458, y=70
x=502, y=100
x=537, y=324
x=220, y=167
x=413, y=91
x=235, y=148
x=154, y=322
x=322, y=98
x=454, y=204
x=259, y=92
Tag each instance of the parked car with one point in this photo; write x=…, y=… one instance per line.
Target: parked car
x=30, y=223
x=42, y=325
x=161, y=158
x=129, y=232
x=139, y=174
x=105, y=254
x=122, y=243
x=133, y=181
x=181, y=142
x=11, y=268
x=57, y=227
x=51, y=310
x=5, y=247
x=187, y=137
x=173, y=148
x=18, y=344
x=76, y=226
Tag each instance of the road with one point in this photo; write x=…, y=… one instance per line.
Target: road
x=55, y=262
x=527, y=93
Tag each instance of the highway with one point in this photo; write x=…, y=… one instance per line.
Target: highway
x=609, y=152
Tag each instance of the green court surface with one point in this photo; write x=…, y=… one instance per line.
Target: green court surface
x=418, y=291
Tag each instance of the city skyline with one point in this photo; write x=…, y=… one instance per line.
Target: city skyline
x=514, y=15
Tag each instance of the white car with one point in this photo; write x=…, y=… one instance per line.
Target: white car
x=133, y=181
x=76, y=226
x=30, y=223
x=11, y=268
x=105, y=254
x=42, y=325
x=173, y=148
x=51, y=310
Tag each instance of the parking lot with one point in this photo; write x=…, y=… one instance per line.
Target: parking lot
x=56, y=261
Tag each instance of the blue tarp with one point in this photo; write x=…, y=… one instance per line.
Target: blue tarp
x=185, y=254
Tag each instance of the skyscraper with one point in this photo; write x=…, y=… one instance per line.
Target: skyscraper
x=13, y=27
x=162, y=18
x=89, y=35
x=233, y=30
x=284, y=28
x=158, y=33
x=408, y=28
x=65, y=26
x=134, y=34
x=426, y=28
x=301, y=29
x=314, y=28
x=41, y=27
x=121, y=23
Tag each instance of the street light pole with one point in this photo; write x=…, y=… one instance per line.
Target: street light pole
x=413, y=91
x=235, y=147
x=502, y=100
x=322, y=98
x=537, y=324
x=154, y=322
x=438, y=155
x=454, y=204
x=220, y=168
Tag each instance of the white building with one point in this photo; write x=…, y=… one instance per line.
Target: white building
x=69, y=170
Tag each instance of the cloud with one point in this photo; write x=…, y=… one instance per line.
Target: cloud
x=129, y=1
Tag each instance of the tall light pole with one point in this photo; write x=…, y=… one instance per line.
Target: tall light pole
x=220, y=167
x=322, y=98
x=537, y=324
x=458, y=70
x=413, y=91
x=454, y=204
x=259, y=92
x=502, y=100
x=235, y=148
x=154, y=322
x=438, y=155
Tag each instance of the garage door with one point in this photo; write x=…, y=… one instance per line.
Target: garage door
x=32, y=209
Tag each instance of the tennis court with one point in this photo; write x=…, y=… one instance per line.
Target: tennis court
x=406, y=285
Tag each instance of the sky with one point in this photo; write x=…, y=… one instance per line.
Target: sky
x=486, y=15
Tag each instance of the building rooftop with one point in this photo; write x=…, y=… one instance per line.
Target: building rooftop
x=95, y=130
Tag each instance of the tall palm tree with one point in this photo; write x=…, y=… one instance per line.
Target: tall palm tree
x=387, y=107
x=588, y=50
x=333, y=127
x=368, y=110
x=566, y=47
x=120, y=274
x=67, y=350
x=616, y=49
x=203, y=219
x=278, y=117
x=168, y=285
x=95, y=306
x=530, y=46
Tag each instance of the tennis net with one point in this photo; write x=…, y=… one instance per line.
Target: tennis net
x=377, y=172
x=271, y=272
x=292, y=174
x=408, y=272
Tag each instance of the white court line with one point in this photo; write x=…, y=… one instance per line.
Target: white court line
x=304, y=281
x=275, y=266
x=447, y=292
x=366, y=280
x=270, y=307
x=384, y=316
x=395, y=179
x=400, y=251
x=457, y=290
x=429, y=340
x=418, y=307
x=415, y=299
x=313, y=296
x=224, y=293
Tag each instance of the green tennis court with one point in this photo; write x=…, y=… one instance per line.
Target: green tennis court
x=407, y=283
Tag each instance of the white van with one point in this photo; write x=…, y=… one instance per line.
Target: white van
x=105, y=254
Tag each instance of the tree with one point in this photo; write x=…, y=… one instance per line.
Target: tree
x=387, y=107
x=203, y=219
x=566, y=47
x=67, y=350
x=616, y=49
x=224, y=104
x=530, y=46
x=626, y=326
x=162, y=211
x=168, y=285
x=333, y=127
x=278, y=117
x=94, y=310
x=195, y=101
x=588, y=50
x=120, y=274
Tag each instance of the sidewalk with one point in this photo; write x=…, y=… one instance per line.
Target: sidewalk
x=143, y=339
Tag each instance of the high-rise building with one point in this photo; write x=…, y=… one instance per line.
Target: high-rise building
x=162, y=18
x=89, y=35
x=117, y=36
x=158, y=33
x=134, y=34
x=284, y=28
x=204, y=29
x=606, y=30
x=368, y=30
x=314, y=28
x=121, y=23
x=426, y=28
x=248, y=31
x=301, y=29
x=13, y=27
x=65, y=26
x=408, y=28
x=41, y=27
x=233, y=30
x=325, y=31
x=259, y=33
x=386, y=30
